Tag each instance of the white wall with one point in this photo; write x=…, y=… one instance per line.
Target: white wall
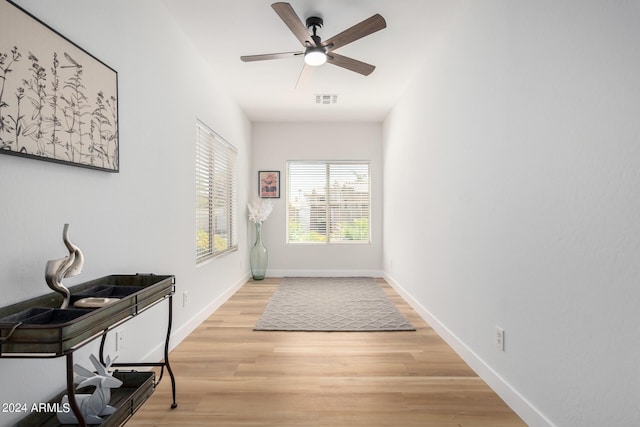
x=273, y=145
x=523, y=134
x=139, y=220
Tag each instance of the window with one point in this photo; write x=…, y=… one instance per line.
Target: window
x=328, y=202
x=216, y=224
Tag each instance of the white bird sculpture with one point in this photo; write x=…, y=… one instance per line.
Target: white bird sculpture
x=96, y=405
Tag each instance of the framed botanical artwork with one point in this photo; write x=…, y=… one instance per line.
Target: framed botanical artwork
x=269, y=184
x=57, y=101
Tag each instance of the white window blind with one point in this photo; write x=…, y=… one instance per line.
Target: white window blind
x=328, y=202
x=216, y=194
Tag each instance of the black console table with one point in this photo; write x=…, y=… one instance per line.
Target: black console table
x=37, y=328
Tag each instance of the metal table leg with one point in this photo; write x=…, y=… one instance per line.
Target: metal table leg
x=166, y=354
x=152, y=364
x=71, y=392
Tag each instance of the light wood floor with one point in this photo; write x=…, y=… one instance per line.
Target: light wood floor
x=229, y=375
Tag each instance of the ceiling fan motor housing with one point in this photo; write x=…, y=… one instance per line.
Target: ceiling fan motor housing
x=317, y=55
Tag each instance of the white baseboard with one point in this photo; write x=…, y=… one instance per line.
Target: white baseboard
x=204, y=314
x=177, y=336
x=525, y=410
x=324, y=273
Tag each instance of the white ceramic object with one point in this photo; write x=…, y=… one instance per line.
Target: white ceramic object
x=94, y=302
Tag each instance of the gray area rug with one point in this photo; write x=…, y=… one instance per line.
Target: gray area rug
x=349, y=304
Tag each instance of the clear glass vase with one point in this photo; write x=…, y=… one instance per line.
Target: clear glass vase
x=258, y=256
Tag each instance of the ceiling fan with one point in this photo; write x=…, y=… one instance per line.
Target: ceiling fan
x=318, y=52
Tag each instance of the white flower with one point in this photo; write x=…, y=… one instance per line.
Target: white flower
x=259, y=210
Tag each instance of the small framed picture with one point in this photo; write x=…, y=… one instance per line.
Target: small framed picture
x=269, y=184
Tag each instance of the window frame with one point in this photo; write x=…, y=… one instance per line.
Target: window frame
x=216, y=188
x=327, y=204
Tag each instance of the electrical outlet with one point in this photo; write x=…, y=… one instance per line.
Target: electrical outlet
x=120, y=339
x=500, y=338
x=185, y=298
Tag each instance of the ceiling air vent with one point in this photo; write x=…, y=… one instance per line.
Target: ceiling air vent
x=326, y=99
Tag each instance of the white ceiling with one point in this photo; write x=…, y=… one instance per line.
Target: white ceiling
x=266, y=90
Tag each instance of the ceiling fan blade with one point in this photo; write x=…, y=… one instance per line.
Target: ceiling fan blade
x=288, y=15
x=358, y=31
x=250, y=58
x=350, y=64
x=304, y=77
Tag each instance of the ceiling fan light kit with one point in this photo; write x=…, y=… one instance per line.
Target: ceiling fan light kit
x=316, y=51
x=315, y=56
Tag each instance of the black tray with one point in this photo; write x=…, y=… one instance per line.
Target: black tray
x=135, y=390
x=38, y=326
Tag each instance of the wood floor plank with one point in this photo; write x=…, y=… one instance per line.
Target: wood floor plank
x=229, y=375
